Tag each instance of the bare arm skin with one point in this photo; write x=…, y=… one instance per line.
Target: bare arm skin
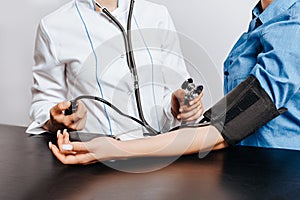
x=176, y=143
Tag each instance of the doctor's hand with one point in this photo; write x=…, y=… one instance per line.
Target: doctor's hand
x=188, y=113
x=59, y=121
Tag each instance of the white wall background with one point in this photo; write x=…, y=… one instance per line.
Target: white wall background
x=215, y=24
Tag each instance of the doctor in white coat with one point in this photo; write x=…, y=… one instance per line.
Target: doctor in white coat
x=78, y=51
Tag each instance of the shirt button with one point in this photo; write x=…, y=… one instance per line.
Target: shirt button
x=226, y=73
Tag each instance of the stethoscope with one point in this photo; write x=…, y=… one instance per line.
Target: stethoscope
x=133, y=70
x=130, y=59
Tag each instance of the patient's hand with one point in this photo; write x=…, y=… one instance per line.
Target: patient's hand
x=98, y=149
x=187, y=113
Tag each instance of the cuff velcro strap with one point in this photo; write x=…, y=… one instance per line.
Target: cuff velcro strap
x=242, y=111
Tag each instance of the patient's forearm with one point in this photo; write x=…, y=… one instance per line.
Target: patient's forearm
x=184, y=141
x=176, y=143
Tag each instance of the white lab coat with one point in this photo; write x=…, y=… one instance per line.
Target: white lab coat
x=65, y=66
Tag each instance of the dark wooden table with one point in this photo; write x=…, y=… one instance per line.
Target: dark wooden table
x=28, y=170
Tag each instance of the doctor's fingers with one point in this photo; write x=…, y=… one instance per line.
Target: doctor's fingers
x=192, y=115
x=197, y=115
x=58, y=118
x=187, y=108
x=78, y=118
x=59, y=108
x=70, y=122
x=81, y=111
x=61, y=121
x=179, y=95
x=77, y=125
x=196, y=99
x=79, y=115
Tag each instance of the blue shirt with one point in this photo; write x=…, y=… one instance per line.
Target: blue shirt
x=270, y=50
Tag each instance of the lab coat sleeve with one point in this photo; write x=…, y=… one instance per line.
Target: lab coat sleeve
x=174, y=70
x=49, y=83
x=277, y=67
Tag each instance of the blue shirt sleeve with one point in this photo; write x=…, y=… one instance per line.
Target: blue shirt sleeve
x=278, y=65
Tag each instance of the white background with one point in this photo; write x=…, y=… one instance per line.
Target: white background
x=213, y=24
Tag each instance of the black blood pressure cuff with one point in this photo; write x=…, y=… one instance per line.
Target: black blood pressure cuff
x=242, y=111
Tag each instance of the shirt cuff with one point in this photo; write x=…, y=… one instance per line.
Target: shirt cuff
x=36, y=126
